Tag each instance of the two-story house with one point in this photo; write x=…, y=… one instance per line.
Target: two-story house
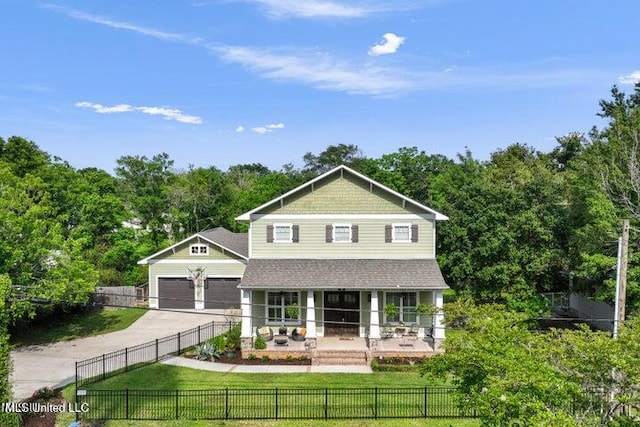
x=337, y=249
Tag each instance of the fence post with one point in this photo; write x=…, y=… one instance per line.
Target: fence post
x=177, y=394
x=126, y=359
x=199, y=341
x=156, y=350
x=276, y=403
x=375, y=406
x=178, y=344
x=126, y=403
x=425, y=402
x=226, y=403
x=326, y=403
x=76, y=393
x=104, y=367
x=213, y=329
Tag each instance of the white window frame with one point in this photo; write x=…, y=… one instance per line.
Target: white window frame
x=282, y=308
x=275, y=234
x=401, y=307
x=200, y=251
x=394, y=239
x=333, y=233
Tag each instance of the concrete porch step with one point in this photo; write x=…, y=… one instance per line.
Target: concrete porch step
x=340, y=357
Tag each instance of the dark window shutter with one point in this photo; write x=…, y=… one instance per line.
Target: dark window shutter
x=388, y=230
x=414, y=232
x=269, y=233
x=328, y=233
x=354, y=234
x=296, y=233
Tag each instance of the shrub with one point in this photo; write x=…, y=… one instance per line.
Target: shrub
x=43, y=393
x=289, y=358
x=208, y=351
x=265, y=358
x=252, y=356
x=260, y=344
x=233, y=337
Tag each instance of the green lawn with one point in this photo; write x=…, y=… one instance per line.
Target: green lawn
x=64, y=327
x=165, y=377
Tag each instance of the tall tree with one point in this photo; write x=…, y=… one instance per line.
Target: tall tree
x=146, y=182
x=331, y=157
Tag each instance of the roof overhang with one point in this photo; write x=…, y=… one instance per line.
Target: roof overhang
x=247, y=216
x=192, y=237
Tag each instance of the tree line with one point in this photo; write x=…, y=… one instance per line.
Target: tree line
x=521, y=222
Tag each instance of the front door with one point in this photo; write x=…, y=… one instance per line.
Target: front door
x=341, y=313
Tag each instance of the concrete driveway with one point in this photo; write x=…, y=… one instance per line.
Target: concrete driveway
x=53, y=365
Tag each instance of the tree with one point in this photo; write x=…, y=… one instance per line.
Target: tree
x=198, y=200
x=145, y=184
x=513, y=374
x=331, y=157
x=23, y=156
x=501, y=243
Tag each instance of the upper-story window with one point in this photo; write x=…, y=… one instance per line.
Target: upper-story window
x=341, y=233
x=282, y=233
x=401, y=233
x=198, y=249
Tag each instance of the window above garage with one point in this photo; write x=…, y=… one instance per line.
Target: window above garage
x=198, y=249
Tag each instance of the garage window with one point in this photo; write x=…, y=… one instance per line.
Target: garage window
x=198, y=249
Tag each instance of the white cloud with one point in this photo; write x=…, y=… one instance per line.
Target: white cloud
x=318, y=70
x=35, y=87
x=390, y=44
x=630, y=79
x=261, y=130
x=311, y=8
x=240, y=129
x=167, y=113
x=158, y=34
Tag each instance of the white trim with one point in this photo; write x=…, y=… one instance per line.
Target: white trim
x=282, y=224
x=197, y=235
x=187, y=261
x=247, y=215
x=333, y=233
x=250, y=236
x=329, y=217
x=297, y=322
x=200, y=246
x=393, y=232
x=384, y=314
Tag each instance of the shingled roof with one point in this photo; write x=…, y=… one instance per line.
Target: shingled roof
x=342, y=273
x=237, y=242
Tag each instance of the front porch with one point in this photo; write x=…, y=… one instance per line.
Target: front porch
x=346, y=350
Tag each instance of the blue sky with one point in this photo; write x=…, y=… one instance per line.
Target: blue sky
x=222, y=82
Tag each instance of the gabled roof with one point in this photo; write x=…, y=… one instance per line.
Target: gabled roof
x=397, y=274
x=342, y=168
x=235, y=243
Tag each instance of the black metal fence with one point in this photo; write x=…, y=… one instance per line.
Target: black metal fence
x=109, y=364
x=238, y=404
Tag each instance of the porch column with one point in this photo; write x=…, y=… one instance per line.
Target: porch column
x=374, y=320
x=246, y=332
x=312, y=335
x=438, y=327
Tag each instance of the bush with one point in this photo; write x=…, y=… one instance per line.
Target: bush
x=233, y=338
x=265, y=358
x=260, y=344
x=252, y=356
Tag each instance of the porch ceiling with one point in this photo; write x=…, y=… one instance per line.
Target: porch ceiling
x=342, y=274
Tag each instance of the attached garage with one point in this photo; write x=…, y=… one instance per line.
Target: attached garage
x=175, y=293
x=222, y=293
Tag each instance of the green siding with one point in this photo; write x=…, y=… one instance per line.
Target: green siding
x=182, y=252
x=371, y=241
x=258, y=299
x=340, y=195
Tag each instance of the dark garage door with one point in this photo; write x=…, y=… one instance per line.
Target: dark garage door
x=176, y=293
x=222, y=293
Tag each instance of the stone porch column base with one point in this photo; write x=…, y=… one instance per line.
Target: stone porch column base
x=246, y=343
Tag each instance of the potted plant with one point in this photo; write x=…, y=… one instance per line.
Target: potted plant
x=292, y=311
x=391, y=311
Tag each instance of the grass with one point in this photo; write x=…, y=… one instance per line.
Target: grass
x=69, y=326
x=165, y=377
